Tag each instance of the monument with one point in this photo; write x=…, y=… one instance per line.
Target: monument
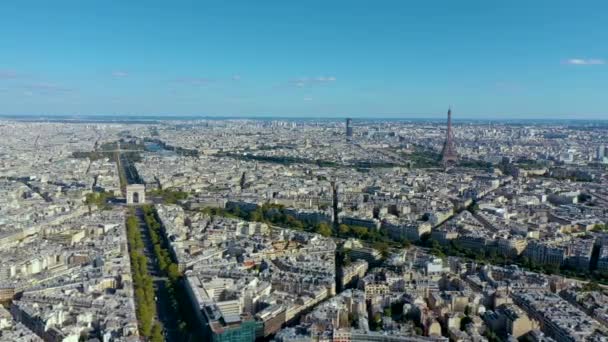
x=136, y=194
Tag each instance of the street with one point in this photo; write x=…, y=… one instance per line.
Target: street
x=164, y=311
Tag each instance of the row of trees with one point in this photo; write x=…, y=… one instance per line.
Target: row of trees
x=272, y=214
x=92, y=156
x=488, y=255
x=491, y=255
x=122, y=174
x=288, y=160
x=180, y=303
x=165, y=262
x=378, y=239
x=283, y=160
x=142, y=283
x=276, y=214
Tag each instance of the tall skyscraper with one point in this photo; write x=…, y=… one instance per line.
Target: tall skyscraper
x=601, y=152
x=448, y=154
x=349, y=128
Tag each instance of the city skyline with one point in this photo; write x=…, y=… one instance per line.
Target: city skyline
x=396, y=60
x=278, y=171
x=267, y=230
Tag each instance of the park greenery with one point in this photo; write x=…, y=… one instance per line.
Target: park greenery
x=423, y=158
x=169, y=195
x=107, y=150
x=178, y=150
x=530, y=164
x=474, y=164
x=99, y=200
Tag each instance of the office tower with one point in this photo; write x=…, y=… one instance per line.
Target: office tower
x=601, y=152
x=349, y=128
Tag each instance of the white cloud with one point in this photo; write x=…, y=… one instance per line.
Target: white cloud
x=119, y=73
x=44, y=87
x=310, y=81
x=581, y=61
x=193, y=81
x=325, y=79
x=8, y=74
x=308, y=99
x=236, y=77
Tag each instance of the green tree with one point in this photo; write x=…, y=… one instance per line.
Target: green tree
x=99, y=200
x=377, y=321
x=157, y=333
x=324, y=229
x=256, y=215
x=360, y=232
x=344, y=230
x=382, y=247
x=173, y=272
x=145, y=319
x=491, y=335
x=591, y=286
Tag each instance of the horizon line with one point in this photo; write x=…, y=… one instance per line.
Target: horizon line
x=433, y=117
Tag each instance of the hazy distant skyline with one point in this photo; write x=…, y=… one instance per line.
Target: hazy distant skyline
x=487, y=59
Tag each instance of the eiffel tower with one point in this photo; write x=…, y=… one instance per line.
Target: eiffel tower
x=449, y=156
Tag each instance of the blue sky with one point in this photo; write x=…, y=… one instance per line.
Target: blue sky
x=487, y=59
